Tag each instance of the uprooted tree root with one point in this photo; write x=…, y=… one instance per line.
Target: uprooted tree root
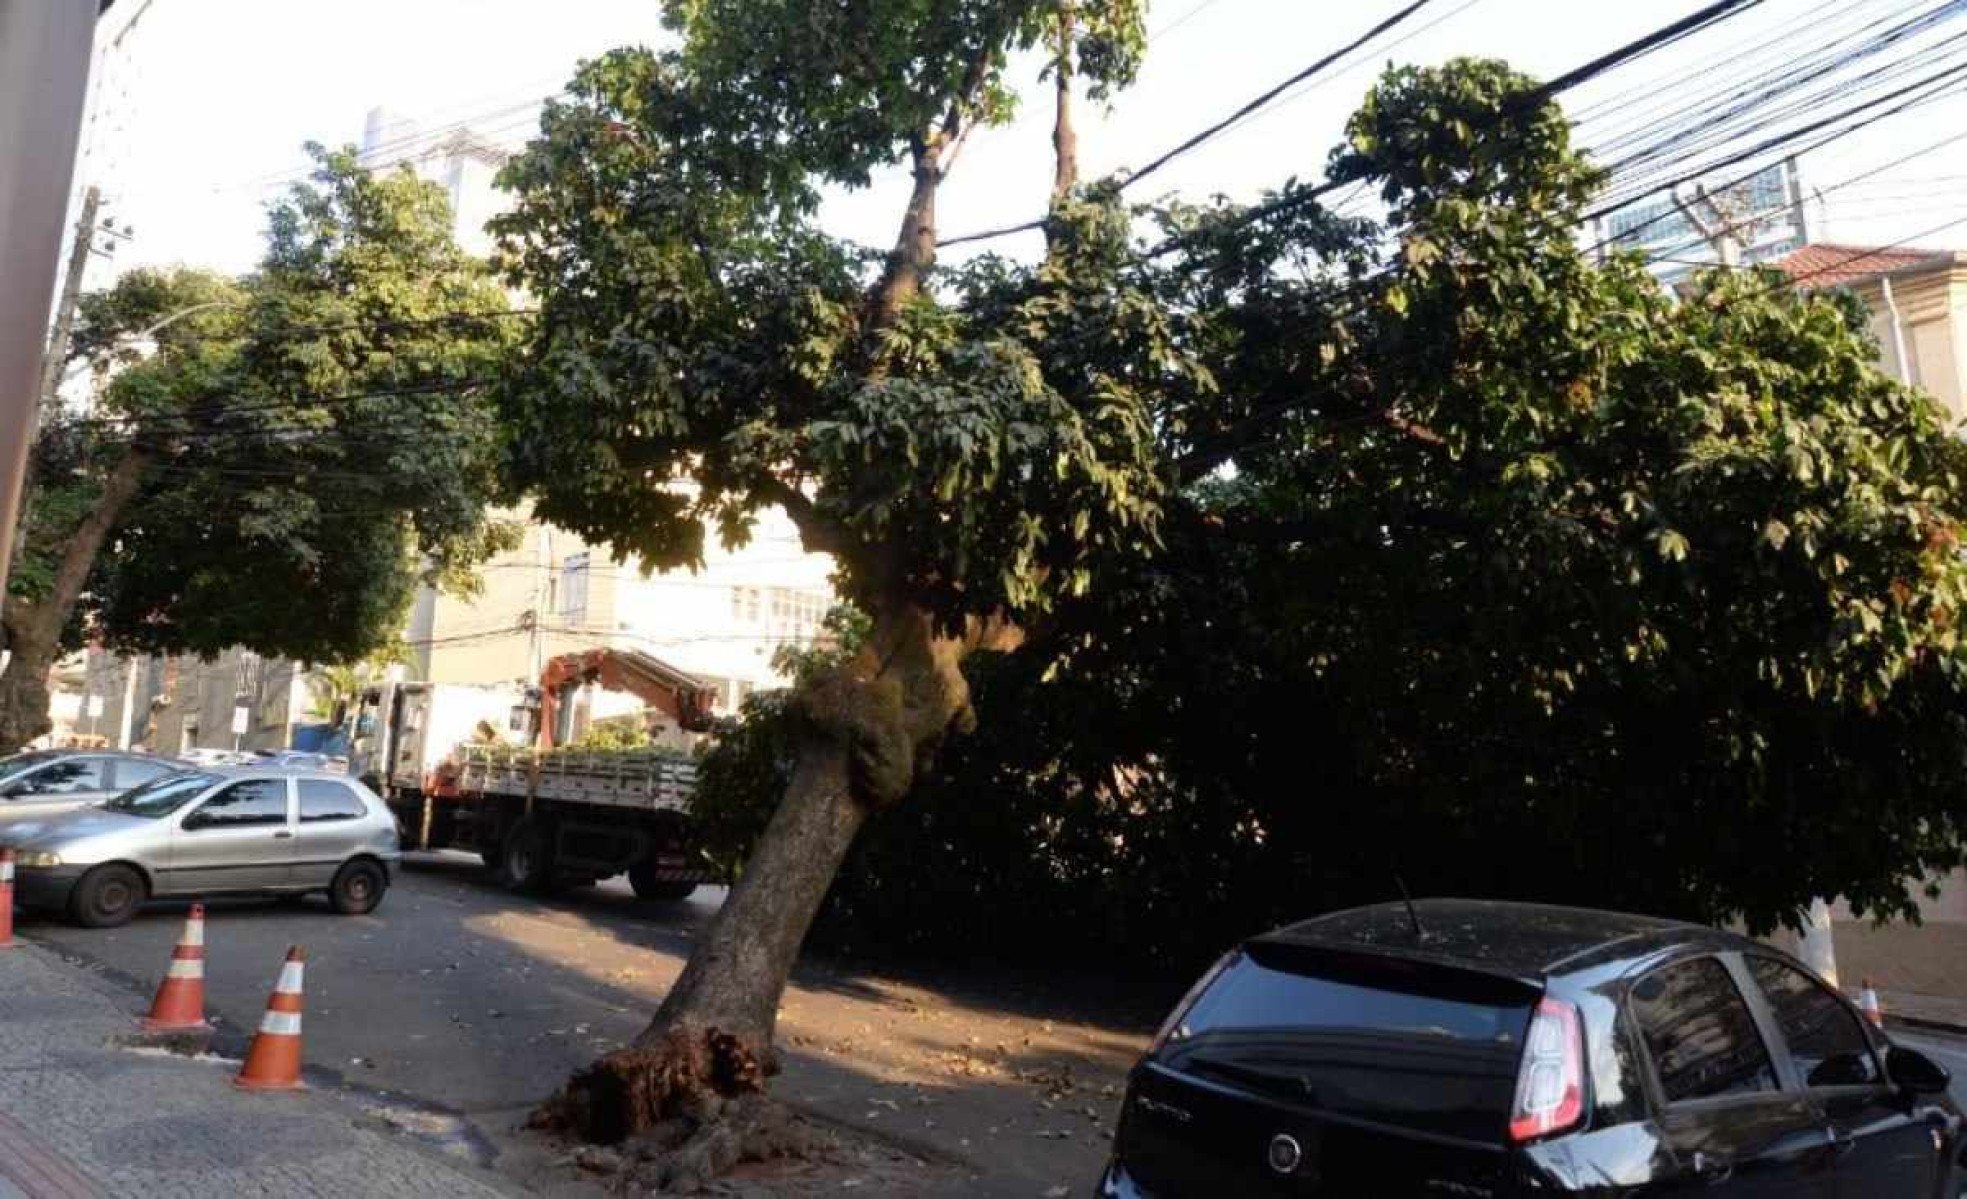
x=681, y=1113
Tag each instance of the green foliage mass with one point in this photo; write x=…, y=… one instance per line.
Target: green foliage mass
x=704, y=349
x=318, y=431
x=1481, y=564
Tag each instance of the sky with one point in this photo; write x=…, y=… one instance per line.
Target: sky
x=201, y=110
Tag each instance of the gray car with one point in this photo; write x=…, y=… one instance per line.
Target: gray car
x=39, y=784
x=232, y=831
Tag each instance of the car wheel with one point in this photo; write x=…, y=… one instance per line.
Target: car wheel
x=107, y=896
x=527, y=861
x=646, y=878
x=357, y=888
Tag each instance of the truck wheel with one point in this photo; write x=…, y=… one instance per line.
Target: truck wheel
x=526, y=864
x=357, y=888
x=644, y=877
x=107, y=897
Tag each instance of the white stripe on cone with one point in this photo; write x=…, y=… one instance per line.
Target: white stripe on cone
x=185, y=968
x=290, y=979
x=281, y=1024
x=194, y=933
x=6, y=872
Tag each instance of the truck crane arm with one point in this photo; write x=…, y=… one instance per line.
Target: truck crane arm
x=684, y=697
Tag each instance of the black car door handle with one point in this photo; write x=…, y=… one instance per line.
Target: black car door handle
x=282, y=835
x=1711, y=1169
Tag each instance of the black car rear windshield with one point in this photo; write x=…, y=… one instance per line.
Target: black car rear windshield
x=1398, y=1043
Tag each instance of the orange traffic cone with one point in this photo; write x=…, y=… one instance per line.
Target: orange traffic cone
x=1869, y=1005
x=180, y=1002
x=6, y=898
x=273, y=1062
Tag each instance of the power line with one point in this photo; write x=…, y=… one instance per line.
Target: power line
x=1273, y=92
x=1638, y=48
x=1216, y=129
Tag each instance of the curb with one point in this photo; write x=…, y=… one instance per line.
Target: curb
x=1926, y=1025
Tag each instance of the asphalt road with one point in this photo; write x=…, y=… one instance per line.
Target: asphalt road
x=471, y=1003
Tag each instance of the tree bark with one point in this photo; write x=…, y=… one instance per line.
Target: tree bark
x=34, y=629
x=1065, y=138
x=915, y=247
x=864, y=731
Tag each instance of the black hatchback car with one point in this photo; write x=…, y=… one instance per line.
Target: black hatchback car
x=1475, y=1049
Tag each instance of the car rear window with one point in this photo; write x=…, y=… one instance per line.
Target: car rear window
x=326, y=800
x=1400, y=1043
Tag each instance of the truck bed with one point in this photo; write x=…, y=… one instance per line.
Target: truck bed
x=643, y=780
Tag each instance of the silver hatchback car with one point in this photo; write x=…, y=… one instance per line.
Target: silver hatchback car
x=239, y=830
x=41, y=783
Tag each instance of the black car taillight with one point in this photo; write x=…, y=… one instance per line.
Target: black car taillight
x=1174, y=1020
x=1550, y=1084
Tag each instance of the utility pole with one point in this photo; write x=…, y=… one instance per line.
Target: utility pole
x=45, y=47
x=127, y=730
x=1714, y=224
x=71, y=295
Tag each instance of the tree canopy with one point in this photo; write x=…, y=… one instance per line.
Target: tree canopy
x=274, y=460
x=1508, y=566
x=1523, y=578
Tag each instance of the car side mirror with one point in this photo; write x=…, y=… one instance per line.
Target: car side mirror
x=1911, y=1070
x=196, y=821
x=1842, y=1070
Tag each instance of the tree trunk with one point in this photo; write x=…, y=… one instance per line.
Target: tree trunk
x=24, y=692
x=712, y=1038
x=863, y=732
x=1065, y=139
x=34, y=629
x=915, y=247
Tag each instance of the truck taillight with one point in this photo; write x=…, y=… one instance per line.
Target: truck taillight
x=1550, y=1085
x=1174, y=1020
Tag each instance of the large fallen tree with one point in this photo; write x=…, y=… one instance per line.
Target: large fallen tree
x=977, y=447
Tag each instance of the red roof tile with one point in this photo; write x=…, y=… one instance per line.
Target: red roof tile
x=1828, y=264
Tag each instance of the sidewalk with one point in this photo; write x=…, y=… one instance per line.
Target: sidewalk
x=83, y=1115
x=1935, y=1012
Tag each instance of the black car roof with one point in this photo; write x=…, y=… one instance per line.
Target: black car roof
x=1519, y=940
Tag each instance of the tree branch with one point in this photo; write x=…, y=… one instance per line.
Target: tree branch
x=79, y=555
x=817, y=533
x=915, y=242
x=1065, y=138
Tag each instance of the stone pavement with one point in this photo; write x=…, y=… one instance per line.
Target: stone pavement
x=82, y=1114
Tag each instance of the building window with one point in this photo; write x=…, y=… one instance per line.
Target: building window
x=573, y=589
x=745, y=604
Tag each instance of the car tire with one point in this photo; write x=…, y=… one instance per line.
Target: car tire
x=107, y=896
x=526, y=859
x=643, y=876
x=358, y=888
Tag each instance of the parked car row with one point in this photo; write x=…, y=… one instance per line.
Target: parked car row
x=305, y=759
x=96, y=833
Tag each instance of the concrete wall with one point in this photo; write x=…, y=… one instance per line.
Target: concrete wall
x=1933, y=322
